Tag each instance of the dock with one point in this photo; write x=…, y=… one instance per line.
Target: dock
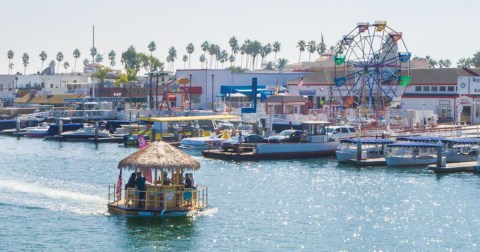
x=106, y=140
x=454, y=167
x=368, y=162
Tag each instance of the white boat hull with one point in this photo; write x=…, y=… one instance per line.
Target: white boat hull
x=296, y=148
x=202, y=143
x=410, y=161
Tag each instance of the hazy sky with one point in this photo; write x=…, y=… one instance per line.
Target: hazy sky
x=442, y=29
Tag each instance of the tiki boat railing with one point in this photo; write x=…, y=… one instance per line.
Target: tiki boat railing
x=163, y=198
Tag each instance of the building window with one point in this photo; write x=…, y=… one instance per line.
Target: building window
x=451, y=89
x=434, y=89
x=444, y=111
x=443, y=89
x=426, y=89
x=418, y=88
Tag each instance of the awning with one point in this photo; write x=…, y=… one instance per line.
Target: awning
x=172, y=97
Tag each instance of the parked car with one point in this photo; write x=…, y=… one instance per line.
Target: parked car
x=292, y=136
x=336, y=132
x=233, y=143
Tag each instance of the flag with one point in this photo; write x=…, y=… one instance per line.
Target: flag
x=301, y=82
x=148, y=176
x=321, y=89
x=276, y=89
x=119, y=186
x=141, y=142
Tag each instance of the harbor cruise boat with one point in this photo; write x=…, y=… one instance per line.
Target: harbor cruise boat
x=411, y=154
x=369, y=147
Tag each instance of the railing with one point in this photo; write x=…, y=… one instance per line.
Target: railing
x=160, y=198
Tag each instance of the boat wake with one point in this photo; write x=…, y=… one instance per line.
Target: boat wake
x=209, y=212
x=34, y=195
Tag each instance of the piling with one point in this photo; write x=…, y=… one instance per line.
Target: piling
x=439, y=153
x=359, y=149
x=96, y=131
x=60, y=126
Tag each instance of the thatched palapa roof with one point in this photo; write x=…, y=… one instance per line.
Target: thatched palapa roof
x=159, y=155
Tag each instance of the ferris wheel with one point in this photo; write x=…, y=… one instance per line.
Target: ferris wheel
x=372, y=66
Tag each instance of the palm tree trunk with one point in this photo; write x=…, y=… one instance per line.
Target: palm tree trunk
x=41, y=68
x=275, y=59
x=299, y=56
x=241, y=61
x=75, y=65
x=189, y=55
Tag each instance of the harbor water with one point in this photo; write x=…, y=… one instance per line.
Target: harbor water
x=53, y=197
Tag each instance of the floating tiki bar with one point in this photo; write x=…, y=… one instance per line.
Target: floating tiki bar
x=161, y=197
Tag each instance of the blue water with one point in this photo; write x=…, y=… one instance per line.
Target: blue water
x=53, y=197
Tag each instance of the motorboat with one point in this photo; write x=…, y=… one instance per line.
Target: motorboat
x=367, y=148
x=85, y=133
x=38, y=131
x=203, y=143
x=411, y=154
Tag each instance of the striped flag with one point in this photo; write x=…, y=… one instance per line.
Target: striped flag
x=141, y=141
x=119, y=186
x=301, y=82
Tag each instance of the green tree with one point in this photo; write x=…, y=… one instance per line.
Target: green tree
x=152, y=47
x=86, y=62
x=111, y=56
x=464, y=63
x=202, y=60
x=52, y=65
x=231, y=59
x=10, y=55
x=268, y=65
x=172, y=54
x=122, y=79
x=130, y=62
x=59, y=59
x=475, y=60
x=223, y=57
x=431, y=62
x=212, y=51
x=322, y=47
x=43, y=57
x=301, y=47
x=282, y=62
x=276, y=48
x=233, y=42
x=242, y=52
x=76, y=55
x=205, y=46
x=190, y=48
x=101, y=74
x=255, y=48
x=25, y=60
x=98, y=58
x=311, y=47
x=265, y=51
x=247, y=48
x=93, y=52
x=184, y=59
x=66, y=65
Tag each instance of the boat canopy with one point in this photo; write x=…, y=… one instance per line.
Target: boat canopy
x=370, y=140
x=413, y=145
x=421, y=139
x=189, y=118
x=462, y=140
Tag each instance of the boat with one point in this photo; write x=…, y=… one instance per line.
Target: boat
x=162, y=197
x=411, y=154
x=38, y=131
x=84, y=133
x=203, y=143
x=361, y=148
x=461, y=149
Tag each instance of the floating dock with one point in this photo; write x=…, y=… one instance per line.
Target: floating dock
x=454, y=167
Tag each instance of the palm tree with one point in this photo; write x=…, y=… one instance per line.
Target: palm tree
x=152, y=47
x=76, y=55
x=172, y=54
x=431, y=62
x=247, y=48
x=98, y=58
x=265, y=51
x=202, y=59
x=301, y=46
x=255, y=46
x=185, y=59
x=268, y=65
x=464, y=63
x=311, y=47
x=223, y=57
x=282, y=62
x=66, y=65
x=86, y=62
x=190, y=48
x=43, y=57
x=234, y=45
x=25, y=60
x=276, y=48
x=205, y=46
x=231, y=59
x=212, y=51
x=101, y=74
x=59, y=59
x=111, y=56
x=242, y=52
x=10, y=55
x=52, y=65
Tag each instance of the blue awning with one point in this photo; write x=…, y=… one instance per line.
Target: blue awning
x=421, y=139
x=413, y=145
x=463, y=140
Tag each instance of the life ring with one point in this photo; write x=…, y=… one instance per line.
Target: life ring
x=187, y=195
x=169, y=195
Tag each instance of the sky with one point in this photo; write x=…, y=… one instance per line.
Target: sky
x=442, y=29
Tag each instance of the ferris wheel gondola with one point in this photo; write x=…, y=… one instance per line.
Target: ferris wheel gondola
x=372, y=66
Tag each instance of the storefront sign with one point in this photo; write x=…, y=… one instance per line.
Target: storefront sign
x=307, y=92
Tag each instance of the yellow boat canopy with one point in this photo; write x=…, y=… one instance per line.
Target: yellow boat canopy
x=188, y=118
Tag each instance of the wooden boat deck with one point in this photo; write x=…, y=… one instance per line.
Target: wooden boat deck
x=454, y=167
x=369, y=162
